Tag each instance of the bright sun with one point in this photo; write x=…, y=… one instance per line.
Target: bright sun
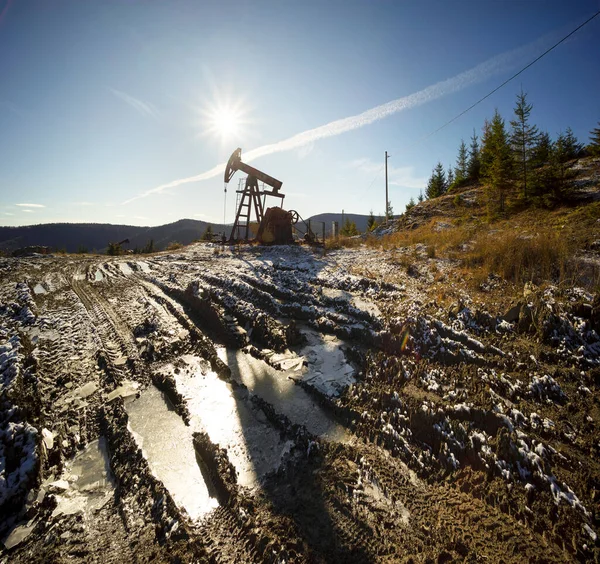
x=225, y=122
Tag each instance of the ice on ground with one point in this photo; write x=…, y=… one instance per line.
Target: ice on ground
x=279, y=389
x=253, y=446
x=126, y=390
x=86, y=484
x=125, y=268
x=328, y=370
x=167, y=445
x=39, y=289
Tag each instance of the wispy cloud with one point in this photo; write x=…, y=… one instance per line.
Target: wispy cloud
x=494, y=66
x=403, y=176
x=144, y=108
x=27, y=211
x=30, y=205
x=8, y=213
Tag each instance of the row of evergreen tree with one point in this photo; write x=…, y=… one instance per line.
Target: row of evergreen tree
x=518, y=166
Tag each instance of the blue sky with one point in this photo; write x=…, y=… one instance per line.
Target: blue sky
x=106, y=106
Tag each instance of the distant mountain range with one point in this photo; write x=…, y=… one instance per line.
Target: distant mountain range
x=95, y=237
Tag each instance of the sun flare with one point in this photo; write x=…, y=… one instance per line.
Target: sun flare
x=225, y=122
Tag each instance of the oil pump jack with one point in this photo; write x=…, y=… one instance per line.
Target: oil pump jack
x=274, y=223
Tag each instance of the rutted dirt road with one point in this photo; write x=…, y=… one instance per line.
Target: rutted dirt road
x=275, y=405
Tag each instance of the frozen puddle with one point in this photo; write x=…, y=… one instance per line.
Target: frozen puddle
x=231, y=421
x=86, y=485
x=125, y=268
x=282, y=393
x=39, y=289
x=167, y=445
x=328, y=370
x=144, y=266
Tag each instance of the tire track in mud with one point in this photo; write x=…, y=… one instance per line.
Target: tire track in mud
x=224, y=539
x=328, y=501
x=352, y=539
x=119, y=350
x=147, y=511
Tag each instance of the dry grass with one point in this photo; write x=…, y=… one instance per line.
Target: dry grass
x=439, y=238
x=538, y=257
x=519, y=250
x=333, y=243
x=173, y=246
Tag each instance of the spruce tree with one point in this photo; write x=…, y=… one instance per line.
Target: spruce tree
x=349, y=229
x=567, y=146
x=371, y=223
x=552, y=180
x=461, y=169
x=594, y=146
x=437, y=183
x=450, y=179
x=420, y=197
x=411, y=204
x=208, y=233
x=522, y=139
x=486, y=152
x=390, y=210
x=540, y=154
x=474, y=162
x=497, y=163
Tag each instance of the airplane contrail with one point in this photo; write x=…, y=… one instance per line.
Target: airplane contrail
x=496, y=65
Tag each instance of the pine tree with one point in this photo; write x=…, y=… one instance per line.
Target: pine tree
x=450, y=179
x=497, y=164
x=522, y=139
x=208, y=233
x=474, y=162
x=390, y=211
x=486, y=151
x=551, y=182
x=420, y=197
x=371, y=223
x=567, y=146
x=594, y=146
x=411, y=204
x=461, y=169
x=540, y=154
x=349, y=229
x=437, y=183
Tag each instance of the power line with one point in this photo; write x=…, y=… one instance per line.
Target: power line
x=375, y=177
x=511, y=78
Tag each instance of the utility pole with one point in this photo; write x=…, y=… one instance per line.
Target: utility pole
x=386, y=187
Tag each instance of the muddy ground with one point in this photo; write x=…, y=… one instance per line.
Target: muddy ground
x=278, y=405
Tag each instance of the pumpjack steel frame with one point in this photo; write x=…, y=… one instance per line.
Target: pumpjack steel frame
x=252, y=197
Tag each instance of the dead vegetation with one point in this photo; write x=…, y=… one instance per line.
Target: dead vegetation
x=529, y=245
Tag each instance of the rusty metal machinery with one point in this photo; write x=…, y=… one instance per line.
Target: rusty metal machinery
x=274, y=223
